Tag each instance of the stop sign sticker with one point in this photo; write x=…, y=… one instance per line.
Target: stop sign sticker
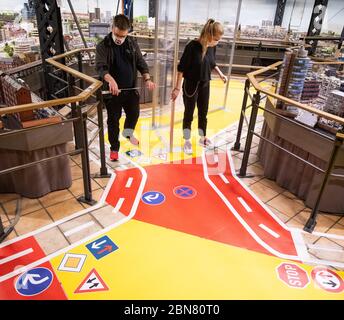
x=292, y=275
x=327, y=279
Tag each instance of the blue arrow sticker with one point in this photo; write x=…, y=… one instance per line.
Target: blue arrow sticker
x=101, y=247
x=34, y=281
x=153, y=198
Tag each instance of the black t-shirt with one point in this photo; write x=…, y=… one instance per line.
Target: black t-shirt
x=122, y=68
x=192, y=65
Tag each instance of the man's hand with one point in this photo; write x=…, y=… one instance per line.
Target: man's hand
x=150, y=85
x=113, y=87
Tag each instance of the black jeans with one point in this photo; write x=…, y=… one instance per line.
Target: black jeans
x=192, y=94
x=130, y=102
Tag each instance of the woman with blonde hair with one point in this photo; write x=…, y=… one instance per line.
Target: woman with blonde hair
x=195, y=66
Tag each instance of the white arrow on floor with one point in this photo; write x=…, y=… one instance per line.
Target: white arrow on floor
x=31, y=278
x=150, y=198
x=96, y=245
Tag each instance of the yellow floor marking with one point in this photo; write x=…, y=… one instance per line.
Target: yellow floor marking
x=158, y=263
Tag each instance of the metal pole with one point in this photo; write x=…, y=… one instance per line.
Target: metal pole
x=71, y=93
x=232, y=52
x=103, y=168
x=78, y=25
x=242, y=116
x=253, y=118
x=156, y=63
x=80, y=68
x=174, y=78
x=82, y=130
x=311, y=222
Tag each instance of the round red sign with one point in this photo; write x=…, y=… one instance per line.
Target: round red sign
x=327, y=279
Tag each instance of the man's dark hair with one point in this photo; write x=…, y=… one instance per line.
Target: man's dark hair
x=121, y=22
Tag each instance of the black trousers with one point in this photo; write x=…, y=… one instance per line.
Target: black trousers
x=193, y=94
x=130, y=102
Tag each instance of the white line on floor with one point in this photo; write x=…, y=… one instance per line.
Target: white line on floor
x=240, y=219
x=129, y=182
x=225, y=180
x=118, y=205
x=299, y=244
x=16, y=256
x=262, y=204
x=244, y=204
x=268, y=230
x=78, y=228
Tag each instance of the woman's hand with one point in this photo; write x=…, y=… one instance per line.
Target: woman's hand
x=223, y=78
x=174, y=94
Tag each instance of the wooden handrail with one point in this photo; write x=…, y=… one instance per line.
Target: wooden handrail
x=252, y=78
x=84, y=95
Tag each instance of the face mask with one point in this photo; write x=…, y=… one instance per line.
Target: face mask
x=118, y=41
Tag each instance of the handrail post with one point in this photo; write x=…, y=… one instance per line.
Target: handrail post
x=236, y=146
x=103, y=169
x=71, y=92
x=82, y=133
x=253, y=119
x=80, y=68
x=311, y=222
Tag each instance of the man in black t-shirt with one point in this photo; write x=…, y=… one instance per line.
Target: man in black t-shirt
x=118, y=57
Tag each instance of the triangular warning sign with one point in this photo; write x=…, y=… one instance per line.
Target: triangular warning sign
x=92, y=283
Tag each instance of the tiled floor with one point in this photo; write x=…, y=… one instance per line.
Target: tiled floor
x=37, y=213
x=40, y=212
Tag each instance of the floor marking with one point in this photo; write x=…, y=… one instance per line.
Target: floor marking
x=225, y=180
x=16, y=256
x=244, y=204
x=90, y=237
x=78, y=228
x=268, y=230
x=300, y=245
x=240, y=219
x=262, y=204
x=129, y=182
x=118, y=205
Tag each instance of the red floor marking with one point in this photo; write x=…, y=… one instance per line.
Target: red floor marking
x=284, y=244
x=119, y=190
x=206, y=215
x=54, y=292
x=17, y=247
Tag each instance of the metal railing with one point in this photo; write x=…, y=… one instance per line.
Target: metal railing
x=89, y=87
x=262, y=93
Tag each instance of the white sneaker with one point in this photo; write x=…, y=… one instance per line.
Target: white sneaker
x=206, y=143
x=187, y=147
